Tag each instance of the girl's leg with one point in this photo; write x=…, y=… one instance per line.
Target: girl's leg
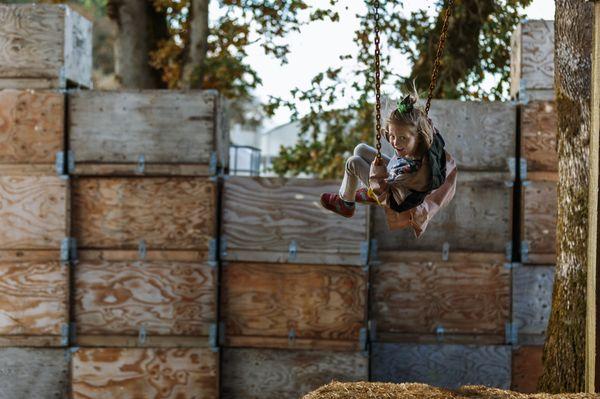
x=357, y=170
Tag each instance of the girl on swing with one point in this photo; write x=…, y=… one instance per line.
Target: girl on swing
x=402, y=181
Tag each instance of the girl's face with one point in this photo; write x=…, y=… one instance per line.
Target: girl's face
x=403, y=139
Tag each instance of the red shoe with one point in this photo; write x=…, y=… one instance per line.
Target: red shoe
x=334, y=203
x=363, y=197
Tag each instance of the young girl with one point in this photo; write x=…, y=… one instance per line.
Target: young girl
x=402, y=182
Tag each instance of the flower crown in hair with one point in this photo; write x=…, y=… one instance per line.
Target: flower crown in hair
x=405, y=105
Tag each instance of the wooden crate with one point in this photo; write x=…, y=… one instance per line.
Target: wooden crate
x=44, y=46
x=532, y=302
x=447, y=366
x=282, y=221
x=527, y=368
x=33, y=373
x=293, y=306
x=34, y=296
x=539, y=218
x=532, y=60
x=478, y=219
x=281, y=374
x=149, y=132
x=31, y=131
x=170, y=213
x=538, y=136
x=466, y=298
x=34, y=212
x=132, y=373
x=169, y=298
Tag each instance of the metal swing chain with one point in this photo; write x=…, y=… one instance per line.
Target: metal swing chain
x=377, y=82
x=438, y=55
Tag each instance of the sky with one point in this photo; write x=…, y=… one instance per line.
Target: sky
x=318, y=46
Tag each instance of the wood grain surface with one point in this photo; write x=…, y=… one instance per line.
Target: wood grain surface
x=166, y=298
x=110, y=373
x=33, y=298
x=538, y=136
x=283, y=374
x=447, y=366
x=165, y=127
x=532, y=301
x=31, y=40
x=31, y=126
x=307, y=301
x=540, y=214
x=33, y=373
x=458, y=297
x=33, y=212
x=167, y=213
x=527, y=368
x=263, y=217
x=478, y=219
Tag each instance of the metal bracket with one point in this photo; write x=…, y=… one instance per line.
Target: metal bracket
x=523, y=96
x=373, y=251
x=372, y=329
x=142, y=335
x=292, y=251
x=512, y=333
x=292, y=335
x=511, y=265
x=141, y=165
x=523, y=168
x=223, y=247
x=362, y=339
x=213, y=164
x=212, y=336
x=524, y=250
x=446, y=251
x=142, y=250
x=512, y=168
x=364, y=252
x=439, y=332
x=509, y=250
x=64, y=334
x=212, y=250
x=68, y=249
x=59, y=163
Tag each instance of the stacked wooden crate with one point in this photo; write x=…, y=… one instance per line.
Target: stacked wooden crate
x=42, y=47
x=532, y=67
x=144, y=219
x=293, y=289
x=440, y=304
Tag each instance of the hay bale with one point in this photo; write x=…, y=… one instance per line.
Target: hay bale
x=365, y=390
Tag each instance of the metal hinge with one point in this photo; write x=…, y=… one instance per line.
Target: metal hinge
x=142, y=335
x=212, y=336
x=364, y=253
x=68, y=249
x=446, y=251
x=524, y=251
x=141, y=165
x=292, y=251
x=509, y=250
x=362, y=339
x=213, y=164
x=511, y=332
x=142, y=250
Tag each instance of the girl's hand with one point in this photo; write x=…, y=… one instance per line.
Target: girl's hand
x=377, y=176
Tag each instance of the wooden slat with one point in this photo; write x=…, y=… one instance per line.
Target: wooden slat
x=424, y=296
x=167, y=213
x=478, y=219
x=164, y=297
x=540, y=205
x=538, y=136
x=33, y=212
x=33, y=373
x=111, y=373
x=263, y=217
x=281, y=374
x=527, y=368
x=33, y=298
x=532, y=301
x=441, y=338
x=152, y=341
x=447, y=366
x=31, y=126
x=281, y=304
x=110, y=131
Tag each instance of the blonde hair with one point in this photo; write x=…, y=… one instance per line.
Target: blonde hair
x=414, y=117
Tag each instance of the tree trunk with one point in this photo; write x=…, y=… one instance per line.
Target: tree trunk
x=192, y=75
x=564, y=351
x=139, y=28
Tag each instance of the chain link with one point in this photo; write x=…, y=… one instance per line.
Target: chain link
x=377, y=82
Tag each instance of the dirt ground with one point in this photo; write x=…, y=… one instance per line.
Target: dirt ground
x=364, y=390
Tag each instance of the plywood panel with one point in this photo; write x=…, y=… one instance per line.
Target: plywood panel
x=420, y=297
x=165, y=297
x=264, y=217
x=285, y=374
x=447, y=366
x=33, y=373
x=110, y=373
x=478, y=219
x=538, y=136
x=166, y=213
x=527, y=368
x=33, y=212
x=31, y=127
x=532, y=301
x=540, y=213
x=286, y=304
x=33, y=298
x=163, y=127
